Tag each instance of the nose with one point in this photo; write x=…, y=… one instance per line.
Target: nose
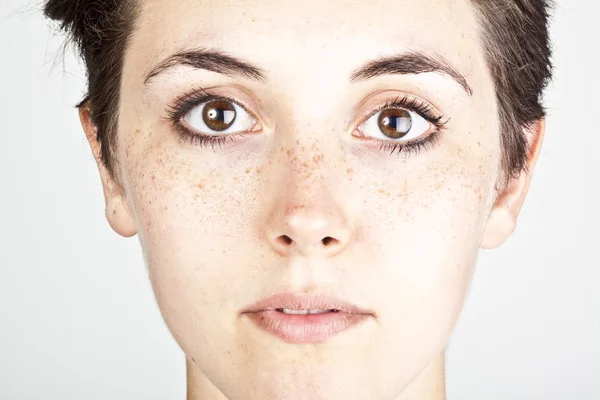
x=308, y=230
x=305, y=217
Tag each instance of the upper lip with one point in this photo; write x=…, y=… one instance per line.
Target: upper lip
x=293, y=301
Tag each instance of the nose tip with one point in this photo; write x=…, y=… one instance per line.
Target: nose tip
x=311, y=232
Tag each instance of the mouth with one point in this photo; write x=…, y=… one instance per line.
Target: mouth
x=291, y=303
x=305, y=319
x=304, y=312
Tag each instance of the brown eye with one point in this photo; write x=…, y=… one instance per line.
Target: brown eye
x=218, y=115
x=394, y=123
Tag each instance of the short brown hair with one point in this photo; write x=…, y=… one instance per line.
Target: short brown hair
x=514, y=36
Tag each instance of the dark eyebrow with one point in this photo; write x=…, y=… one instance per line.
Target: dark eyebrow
x=211, y=60
x=413, y=62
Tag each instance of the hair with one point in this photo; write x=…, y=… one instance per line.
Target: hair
x=515, y=39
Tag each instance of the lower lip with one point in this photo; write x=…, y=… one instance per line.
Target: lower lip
x=305, y=328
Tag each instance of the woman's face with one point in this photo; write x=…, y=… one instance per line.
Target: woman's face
x=310, y=154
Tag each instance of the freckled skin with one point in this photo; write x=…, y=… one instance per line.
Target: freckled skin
x=222, y=229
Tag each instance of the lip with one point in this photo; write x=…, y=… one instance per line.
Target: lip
x=308, y=328
x=292, y=301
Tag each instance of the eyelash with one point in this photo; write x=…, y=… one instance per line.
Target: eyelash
x=183, y=104
x=413, y=146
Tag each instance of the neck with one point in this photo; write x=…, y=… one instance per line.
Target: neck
x=430, y=384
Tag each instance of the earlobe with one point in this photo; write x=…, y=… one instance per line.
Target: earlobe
x=502, y=221
x=119, y=217
x=117, y=212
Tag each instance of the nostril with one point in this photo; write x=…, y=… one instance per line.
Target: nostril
x=327, y=239
x=285, y=239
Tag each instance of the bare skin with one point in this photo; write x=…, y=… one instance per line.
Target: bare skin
x=406, y=227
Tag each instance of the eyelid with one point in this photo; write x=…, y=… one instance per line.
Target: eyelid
x=174, y=112
x=380, y=104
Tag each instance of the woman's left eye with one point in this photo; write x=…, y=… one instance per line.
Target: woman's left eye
x=395, y=123
x=219, y=116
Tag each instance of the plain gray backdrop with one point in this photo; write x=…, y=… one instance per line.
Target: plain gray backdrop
x=78, y=317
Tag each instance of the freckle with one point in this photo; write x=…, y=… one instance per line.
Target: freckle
x=349, y=171
x=258, y=170
x=201, y=186
x=153, y=178
x=247, y=170
x=236, y=179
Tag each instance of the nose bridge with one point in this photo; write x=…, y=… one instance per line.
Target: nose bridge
x=305, y=217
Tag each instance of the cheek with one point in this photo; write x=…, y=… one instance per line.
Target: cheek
x=192, y=223
x=427, y=226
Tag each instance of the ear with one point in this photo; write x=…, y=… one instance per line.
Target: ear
x=117, y=212
x=502, y=221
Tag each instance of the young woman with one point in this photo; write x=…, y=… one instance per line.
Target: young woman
x=311, y=182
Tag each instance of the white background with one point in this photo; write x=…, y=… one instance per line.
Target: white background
x=77, y=313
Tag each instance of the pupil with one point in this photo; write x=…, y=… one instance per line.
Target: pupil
x=218, y=115
x=395, y=123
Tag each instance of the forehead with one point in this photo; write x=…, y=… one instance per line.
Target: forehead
x=305, y=36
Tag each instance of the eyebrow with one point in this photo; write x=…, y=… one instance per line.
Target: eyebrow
x=412, y=62
x=211, y=60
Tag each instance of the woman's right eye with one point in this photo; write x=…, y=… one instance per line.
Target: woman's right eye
x=219, y=116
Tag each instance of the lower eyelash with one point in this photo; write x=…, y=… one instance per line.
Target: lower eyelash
x=202, y=140
x=408, y=148
x=412, y=147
